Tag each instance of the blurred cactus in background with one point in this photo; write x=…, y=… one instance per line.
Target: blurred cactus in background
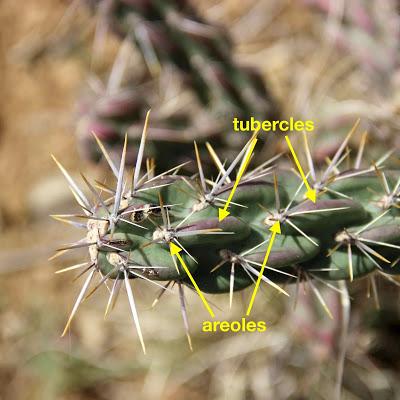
x=367, y=35
x=367, y=30
x=171, y=33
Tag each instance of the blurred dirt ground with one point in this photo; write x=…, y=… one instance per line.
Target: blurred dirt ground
x=43, y=67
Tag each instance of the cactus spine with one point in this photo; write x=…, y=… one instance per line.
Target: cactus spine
x=351, y=231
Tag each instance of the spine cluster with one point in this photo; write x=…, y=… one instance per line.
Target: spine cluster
x=351, y=231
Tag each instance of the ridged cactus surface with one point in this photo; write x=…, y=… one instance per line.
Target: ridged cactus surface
x=351, y=231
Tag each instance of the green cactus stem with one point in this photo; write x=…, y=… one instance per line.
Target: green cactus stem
x=351, y=231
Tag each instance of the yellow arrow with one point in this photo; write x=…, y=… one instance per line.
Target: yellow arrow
x=222, y=212
x=175, y=250
x=311, y=193
x=276, y=228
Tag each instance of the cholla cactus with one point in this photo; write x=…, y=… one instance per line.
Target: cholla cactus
x=351, y=231
x=365, y=30
x=172, y=33
x=109, y=115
